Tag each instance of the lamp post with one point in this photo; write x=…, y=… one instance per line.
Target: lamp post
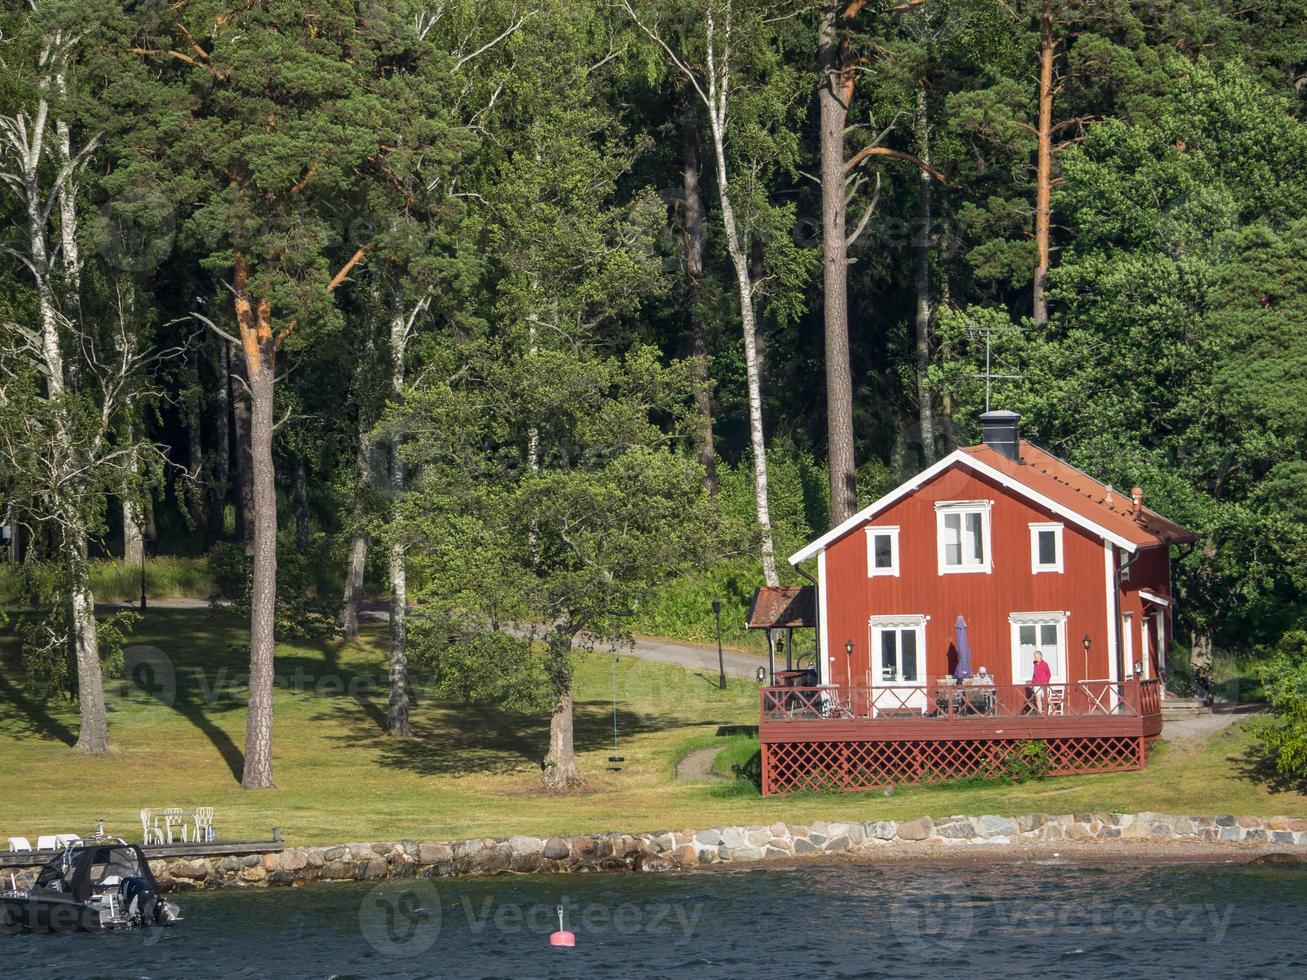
x=721, y=660
x=142, y=573
x=848, y=662
x=1085, y=643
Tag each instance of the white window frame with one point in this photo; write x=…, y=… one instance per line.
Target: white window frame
x=1035, y=529
x=912, y=621
x=1056, y=618
x=964, y=507
x=893, y=534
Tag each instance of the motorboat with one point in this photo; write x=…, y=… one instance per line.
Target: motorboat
x=91, y=886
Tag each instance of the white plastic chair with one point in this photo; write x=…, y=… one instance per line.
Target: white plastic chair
x=152, y=833
x=203, y=824
x=63, y=840
x=1057, y=700
x=47, y=843
x=19, y=844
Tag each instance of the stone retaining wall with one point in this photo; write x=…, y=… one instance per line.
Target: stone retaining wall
x=675, y=850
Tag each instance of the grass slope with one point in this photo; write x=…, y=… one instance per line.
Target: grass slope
x=471, y=771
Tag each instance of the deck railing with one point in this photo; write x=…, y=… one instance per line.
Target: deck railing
x=929, y=702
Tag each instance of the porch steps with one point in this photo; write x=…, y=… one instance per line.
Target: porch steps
x=1174, y=709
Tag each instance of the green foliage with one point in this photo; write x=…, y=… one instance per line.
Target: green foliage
x=303, y=612
x=1027, y=761
x=1285, y=681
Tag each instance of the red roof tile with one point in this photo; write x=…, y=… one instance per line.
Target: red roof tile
x=1062, y=483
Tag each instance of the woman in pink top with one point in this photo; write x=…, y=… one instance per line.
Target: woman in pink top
x=1040, y=679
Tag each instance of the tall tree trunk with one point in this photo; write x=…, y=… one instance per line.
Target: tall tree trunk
x=359, y=540
x=242, y=395
x=220, y=474
x=833, y=93
x=397, y=722
x=1044, y=164
x=255, y=320
x=195, y=494
x=692, y=214
x=561, y=771
x=300, y=503
x=26, y=136
x=925, y=407
x=93, y=730
x=133, y=536
x=738, y=250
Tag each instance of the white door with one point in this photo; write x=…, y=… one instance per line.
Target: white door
x=898, y=664
x=1042, y=633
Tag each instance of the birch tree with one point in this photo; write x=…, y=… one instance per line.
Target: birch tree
x=57, y=451
x=706, y=57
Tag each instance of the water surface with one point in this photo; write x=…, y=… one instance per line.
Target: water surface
x=1031, y=920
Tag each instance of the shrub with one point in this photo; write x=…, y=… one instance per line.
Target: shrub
x=1284, y=679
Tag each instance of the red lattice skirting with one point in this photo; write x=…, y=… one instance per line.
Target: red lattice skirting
x=790, y=766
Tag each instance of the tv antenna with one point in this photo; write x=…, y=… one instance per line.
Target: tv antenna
x=988, y=375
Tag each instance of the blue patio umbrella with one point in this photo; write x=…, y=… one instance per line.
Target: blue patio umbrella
x=963, y=646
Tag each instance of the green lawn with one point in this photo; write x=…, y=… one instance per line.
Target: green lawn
x=473, y=771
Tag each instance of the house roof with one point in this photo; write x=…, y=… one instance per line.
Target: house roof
x=1059, y=480
x=782, y=607
x=1047, y=481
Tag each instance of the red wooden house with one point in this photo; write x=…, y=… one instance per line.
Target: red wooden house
x=1004, y=549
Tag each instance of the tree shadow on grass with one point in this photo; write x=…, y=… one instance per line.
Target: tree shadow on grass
x=462, y=740
x=22, y=715
x=1257, y=763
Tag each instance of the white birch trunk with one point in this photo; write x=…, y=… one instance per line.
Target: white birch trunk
x=718, y=87
x=22, y=139
x=397, y=720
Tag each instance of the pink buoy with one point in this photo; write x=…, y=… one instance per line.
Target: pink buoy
x=562, y=937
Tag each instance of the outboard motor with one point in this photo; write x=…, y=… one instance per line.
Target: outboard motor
x=140, y=900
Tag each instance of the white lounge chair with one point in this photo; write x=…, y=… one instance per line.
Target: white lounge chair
x=63, y=840
x=19, y=844
x=48, y=842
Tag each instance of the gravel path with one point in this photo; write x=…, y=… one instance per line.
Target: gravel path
x=1187, y=735
x=696, y=766
x=704, y=659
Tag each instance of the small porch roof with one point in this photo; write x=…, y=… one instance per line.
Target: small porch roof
x=782, y=607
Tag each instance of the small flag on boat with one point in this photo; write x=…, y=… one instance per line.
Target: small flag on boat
x=99, y=830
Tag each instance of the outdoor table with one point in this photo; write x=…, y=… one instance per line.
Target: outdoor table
x=965, y=700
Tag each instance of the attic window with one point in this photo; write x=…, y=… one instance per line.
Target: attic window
x=882, y=551
x=1045, y=548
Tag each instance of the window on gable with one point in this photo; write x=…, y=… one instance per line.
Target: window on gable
x=882, y=551
x=963, y=532
x=1045, y=548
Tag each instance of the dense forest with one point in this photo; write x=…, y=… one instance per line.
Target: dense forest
x=548, y=311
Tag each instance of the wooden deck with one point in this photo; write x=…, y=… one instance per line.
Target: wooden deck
x=864, y=738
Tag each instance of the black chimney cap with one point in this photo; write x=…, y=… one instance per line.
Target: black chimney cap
x=1001, y=431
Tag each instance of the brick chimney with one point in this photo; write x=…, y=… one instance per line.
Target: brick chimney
x=1137, y=501
x=1000, y=431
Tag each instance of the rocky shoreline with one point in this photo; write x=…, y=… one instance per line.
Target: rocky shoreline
x=1085, y=836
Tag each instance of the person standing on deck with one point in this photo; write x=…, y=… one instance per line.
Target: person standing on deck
x=1039, y=680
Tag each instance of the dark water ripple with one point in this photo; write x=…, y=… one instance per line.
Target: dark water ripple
x=843, y=921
